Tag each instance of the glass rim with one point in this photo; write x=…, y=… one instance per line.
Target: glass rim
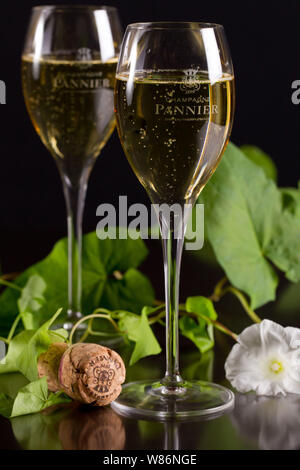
x=74, y=7
x=173, y=25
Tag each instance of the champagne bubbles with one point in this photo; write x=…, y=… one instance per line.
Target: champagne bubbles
x=167, y=130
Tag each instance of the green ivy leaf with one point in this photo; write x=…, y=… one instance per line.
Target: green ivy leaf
x=102, y=259
x=25, y=348
x=201, y=305
x=199, y=330
x=196, y=333
x=258, y=156
x=11, y=383
x=35, y=397
x=6, y=405
x=128, y=293
x=284, y=247
x=31, y=398
x=291, y=200
x=248, y=226
x=31, y=300
x=138, y=330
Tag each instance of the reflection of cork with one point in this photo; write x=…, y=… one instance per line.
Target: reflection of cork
x=92, y=429
x=91, y=373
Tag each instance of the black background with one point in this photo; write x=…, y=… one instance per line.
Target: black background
x=264, y=41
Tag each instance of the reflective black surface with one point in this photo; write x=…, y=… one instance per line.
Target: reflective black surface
x=255, y=422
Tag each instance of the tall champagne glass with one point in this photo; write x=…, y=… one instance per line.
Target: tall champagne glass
x=174, y=101
x=68, y=73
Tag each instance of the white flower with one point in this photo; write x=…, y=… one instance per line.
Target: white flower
x=266, y=360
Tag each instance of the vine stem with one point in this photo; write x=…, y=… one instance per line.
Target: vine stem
x=105, y=315
x=157, y=317
x=220, y=291
x=254, y=317
x=10, y=284
x=13, y=328
x=219, y=326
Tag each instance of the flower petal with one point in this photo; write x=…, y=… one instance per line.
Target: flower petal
x=249, y=365
x=293, y=337
x=242, y=369
x=266, y=335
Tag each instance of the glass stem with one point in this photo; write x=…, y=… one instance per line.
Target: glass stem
x=172, y=253
x=75, y=193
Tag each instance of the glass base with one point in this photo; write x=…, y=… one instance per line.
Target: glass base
x=191, y=399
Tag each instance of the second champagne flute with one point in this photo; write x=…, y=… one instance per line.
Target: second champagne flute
x=68, y=73
x=174, y=100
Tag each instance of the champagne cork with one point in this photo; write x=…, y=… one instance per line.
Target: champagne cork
x=48, y=365
x=90, y=373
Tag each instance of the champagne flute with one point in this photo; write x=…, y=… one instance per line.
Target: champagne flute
x=68, y=73
x=174, y=101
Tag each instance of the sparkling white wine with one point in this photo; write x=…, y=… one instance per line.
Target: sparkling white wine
x=174, y=127
x=71, y=106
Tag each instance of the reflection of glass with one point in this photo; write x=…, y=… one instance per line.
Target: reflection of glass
x=68, y=71
x=173, y=434
x=172, y=441
x=272, y=423
x=174, y=99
